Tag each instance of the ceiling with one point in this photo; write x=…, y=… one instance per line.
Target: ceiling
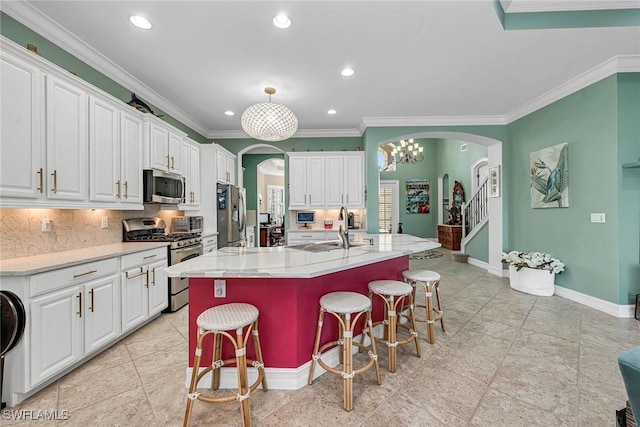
x=413, y=59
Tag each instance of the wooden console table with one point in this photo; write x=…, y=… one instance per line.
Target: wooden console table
x=449, y=236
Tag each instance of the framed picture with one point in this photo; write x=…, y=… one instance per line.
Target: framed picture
x=550, y=177
x=494, y=181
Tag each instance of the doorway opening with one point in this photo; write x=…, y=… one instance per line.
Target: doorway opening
x=388, y=206
x=270, y=200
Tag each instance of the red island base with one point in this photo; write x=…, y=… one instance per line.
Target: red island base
x=288, y=308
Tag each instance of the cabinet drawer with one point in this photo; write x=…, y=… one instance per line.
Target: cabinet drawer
x=56, y=279
x=144, y=257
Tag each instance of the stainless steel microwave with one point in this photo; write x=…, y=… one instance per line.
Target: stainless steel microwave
x=162, y=187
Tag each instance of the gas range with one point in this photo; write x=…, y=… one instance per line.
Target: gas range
x=153, y=230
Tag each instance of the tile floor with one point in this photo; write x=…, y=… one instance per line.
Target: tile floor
x=507, y=359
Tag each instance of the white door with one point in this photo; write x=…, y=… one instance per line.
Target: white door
x=297, y=182
x=175, y=153
x=194, y=174
x=101, y=312
x=159, y=137
x=316, y=182
x=354, y=180
x=158, y=287
x=231, y=169
x=55, y=332
x=131, y=159
x=135, y=297
x=335, y=181
x=67, y=144
x=221, y=163
x=104, y=151
x=21, y=139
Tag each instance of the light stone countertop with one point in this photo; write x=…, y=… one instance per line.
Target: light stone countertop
x=46, y=262
x=282, y=261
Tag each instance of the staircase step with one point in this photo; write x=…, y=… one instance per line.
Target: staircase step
x=459, y=257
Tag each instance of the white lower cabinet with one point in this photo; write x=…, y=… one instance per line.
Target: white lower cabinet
x=74, y=311
x=144, y=286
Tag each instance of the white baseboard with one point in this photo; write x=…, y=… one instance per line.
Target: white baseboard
x=616, y=310
x=485, y=265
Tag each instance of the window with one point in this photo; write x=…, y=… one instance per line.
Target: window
x=275, y=201
x=385, y=207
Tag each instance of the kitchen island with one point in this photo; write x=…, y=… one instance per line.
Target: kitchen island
x=286, y=284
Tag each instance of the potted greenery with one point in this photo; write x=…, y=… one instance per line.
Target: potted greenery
x=532, y=272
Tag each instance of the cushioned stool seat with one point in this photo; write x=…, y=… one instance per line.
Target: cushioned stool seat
x=217, y=321
x=430, y=281
x=388, y=290
x=342, y=305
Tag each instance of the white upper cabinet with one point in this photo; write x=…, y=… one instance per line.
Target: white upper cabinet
x=319, y=180
x=165, y=144
x=226, y=166
x=131, y=158
x=306, y=181
x=191, y=172
x=66, y=140
x=115, y=154
x=21, y=138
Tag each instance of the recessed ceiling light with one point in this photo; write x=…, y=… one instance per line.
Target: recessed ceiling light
x=229, y=113
x=140, y=22
x=348, y=72
x=282, y=21
x=332, y=112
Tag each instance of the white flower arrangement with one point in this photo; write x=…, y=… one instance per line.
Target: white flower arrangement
x=536, y=260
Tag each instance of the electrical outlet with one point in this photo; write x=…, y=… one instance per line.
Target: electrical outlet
x=105, y=222
x=598, y=217
x=219, y=288
x=46, y=225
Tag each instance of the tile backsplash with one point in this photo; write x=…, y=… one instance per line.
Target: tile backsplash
x=21, y=229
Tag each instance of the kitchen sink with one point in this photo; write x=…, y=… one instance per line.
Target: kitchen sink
x=322, y=246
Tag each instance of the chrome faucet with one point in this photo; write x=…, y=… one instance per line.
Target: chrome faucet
x=344, y=232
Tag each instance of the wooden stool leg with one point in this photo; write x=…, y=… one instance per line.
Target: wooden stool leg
x=373, y=345
x=341, y=340
x=429, y=308
x=256, y=344
x=243, y=388
x=436, y=288
x=393, y=342
x=194, y=379
x=217, y=355
x=316, y=346
x=347, y=374
x=414, y=331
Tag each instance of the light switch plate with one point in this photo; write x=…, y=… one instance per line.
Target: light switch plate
x=105, y=222
x=219, y=288
x=598, y=217
x=46, y=225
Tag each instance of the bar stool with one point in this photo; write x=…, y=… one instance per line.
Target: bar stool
x=217, y=321
x=343, y=305
x=388, y=290
x=430, y=281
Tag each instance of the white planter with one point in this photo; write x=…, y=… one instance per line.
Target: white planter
x=532, y=281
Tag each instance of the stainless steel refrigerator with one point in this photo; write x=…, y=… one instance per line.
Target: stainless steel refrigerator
x=232, y=218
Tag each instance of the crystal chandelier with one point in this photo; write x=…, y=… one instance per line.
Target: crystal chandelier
x=269, y=122
x=407, y=152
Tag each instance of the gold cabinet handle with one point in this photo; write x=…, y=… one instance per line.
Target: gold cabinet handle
x=135, y=275
x=126, y=189
x=75, y=276
x=167, y=161
x=118, y=185
x=54, y=190
x=79, y=297
x=91, y=301
x=40, y=180
x=173, y=166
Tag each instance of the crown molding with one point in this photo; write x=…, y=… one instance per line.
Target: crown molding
x=433, y=121
x=617, y=64
x=524, y=6
x=29, y=16
x=301, y=133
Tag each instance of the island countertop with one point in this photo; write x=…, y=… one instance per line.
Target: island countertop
x=282, y=261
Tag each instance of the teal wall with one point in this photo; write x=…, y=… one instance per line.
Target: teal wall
x=297, y=144
x=628, y=186
x=587, y=121
x=22, y=35
x=478, y=246
x=423, y=225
